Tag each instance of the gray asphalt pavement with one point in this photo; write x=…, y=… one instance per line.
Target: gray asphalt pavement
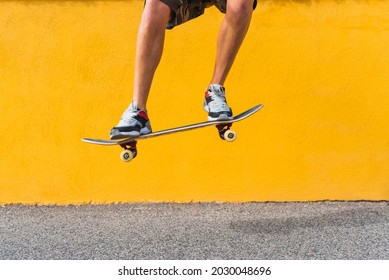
x=316, y=230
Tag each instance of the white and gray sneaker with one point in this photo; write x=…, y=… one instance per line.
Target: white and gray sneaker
x=134, y=122
x=215, y=103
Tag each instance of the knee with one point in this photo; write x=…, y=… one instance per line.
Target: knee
x=156, y=10
x=240, y=10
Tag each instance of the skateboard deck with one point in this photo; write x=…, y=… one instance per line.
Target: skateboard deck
x=129, y=144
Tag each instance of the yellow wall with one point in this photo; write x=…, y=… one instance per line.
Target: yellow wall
x=320, y=67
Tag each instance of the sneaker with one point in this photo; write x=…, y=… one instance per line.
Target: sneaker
x=215, y=103
x=134, y=122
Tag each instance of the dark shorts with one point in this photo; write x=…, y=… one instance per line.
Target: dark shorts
x=184, y=10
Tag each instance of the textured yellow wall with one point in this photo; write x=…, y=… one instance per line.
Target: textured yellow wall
x=320, y=67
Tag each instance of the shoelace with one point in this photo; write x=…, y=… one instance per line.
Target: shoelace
x=129, y=115
x=219, y=99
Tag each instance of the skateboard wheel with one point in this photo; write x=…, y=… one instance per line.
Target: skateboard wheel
x=229, y=135
x=126, y=155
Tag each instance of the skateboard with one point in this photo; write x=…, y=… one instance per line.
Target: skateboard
x=129, y=144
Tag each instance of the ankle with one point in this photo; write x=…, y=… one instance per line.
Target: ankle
x=139, y=105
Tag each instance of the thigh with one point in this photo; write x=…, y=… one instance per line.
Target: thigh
x=174, y=5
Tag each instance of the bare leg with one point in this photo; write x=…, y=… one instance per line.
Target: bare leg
x=151, y=37
x=231, y=35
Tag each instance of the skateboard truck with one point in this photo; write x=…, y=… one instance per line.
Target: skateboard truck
x=129, y=152
x=226, y=133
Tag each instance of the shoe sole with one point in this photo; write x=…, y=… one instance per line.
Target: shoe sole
x=122, y=135
x=222, y=117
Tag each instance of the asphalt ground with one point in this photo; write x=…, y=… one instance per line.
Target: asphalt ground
x=268, y=231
